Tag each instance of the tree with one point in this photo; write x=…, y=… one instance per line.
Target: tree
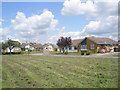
x=4, y=46
x=64, y=43
x=11, y=44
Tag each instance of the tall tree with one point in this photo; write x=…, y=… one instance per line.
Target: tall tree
x=11, y=44
x=4, y=46
x=64, y=43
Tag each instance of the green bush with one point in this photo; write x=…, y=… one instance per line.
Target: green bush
x=87, y=53
x=23, y=49
x=98, y=51
x=82, y=53
x=23, y=52
x=66, y=53
x=8, y=53
x=29, y=50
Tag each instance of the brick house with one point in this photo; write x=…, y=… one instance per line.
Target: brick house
x=93, y=44
x=96, y=44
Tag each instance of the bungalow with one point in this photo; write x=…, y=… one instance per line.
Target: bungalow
x=31, y=46
x=96, y=44
x=37, y=46
x=15, y=49
x=93, y=44
x=50, y=47
x=75, y=45
x=26, y=46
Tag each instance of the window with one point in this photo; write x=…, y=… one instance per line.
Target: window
x=111, y=45
x=83, y=47
x=75, y=47
x=69, y=48
x=92, y=46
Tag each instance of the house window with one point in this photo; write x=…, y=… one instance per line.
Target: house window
x=75, y=47
x=69, y=48
x=111, y=45
x=83, y=47
x=92, y=46
x=16, y=48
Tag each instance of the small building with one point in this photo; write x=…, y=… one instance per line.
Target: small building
x=15, y=49
x=50, y=47
x=38, y=47
x=96, y=44
x=93, y=44
x=75, y=46
x=26, y=46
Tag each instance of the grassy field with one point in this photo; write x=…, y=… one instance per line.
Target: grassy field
x=70, y=53
x=22, y=71
x=60, y=53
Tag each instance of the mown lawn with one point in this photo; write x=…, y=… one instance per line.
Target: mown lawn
x=60, y=53
x=22, y=71
x=70, y=53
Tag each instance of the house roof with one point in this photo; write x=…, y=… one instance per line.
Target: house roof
x=76, y=42
x=102, y=40
x=53, y=45
x=25, y=43
x=37, y=46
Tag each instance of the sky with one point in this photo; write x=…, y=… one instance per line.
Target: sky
x=44, y=22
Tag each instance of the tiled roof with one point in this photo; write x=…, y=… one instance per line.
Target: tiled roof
x=53, y=45
x=102, y=40
x=76, y=42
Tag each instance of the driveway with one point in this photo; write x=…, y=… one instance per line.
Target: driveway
x=105, y=55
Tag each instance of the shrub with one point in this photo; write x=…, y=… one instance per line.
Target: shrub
x=23, y=49
x=66, y=53
x=29, y=50
x=99, y=51
x=87, y=53
x=22, y=52
x=8, y=53
x=82, y=53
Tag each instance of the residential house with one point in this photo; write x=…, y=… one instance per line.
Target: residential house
x=75, y=46
x=15, y=49
x=96, y=44
x=93, y=44
x=27, y=46
x=50, y=47
x=38, y=47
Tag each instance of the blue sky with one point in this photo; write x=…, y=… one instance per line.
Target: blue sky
x=71, y=18
x=29, y=8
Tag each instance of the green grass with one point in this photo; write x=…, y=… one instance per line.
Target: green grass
x=36, y=52
x=117, y=55
x=22, y=71
x=60, y=53
x=69, y=53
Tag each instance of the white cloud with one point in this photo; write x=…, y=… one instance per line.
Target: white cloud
x=3, y=34
x=96, y=8
x=73, y=35
x=104, y=12
x=1, y=20
x=76, y=7
x=33, y=28
x=101, y=27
